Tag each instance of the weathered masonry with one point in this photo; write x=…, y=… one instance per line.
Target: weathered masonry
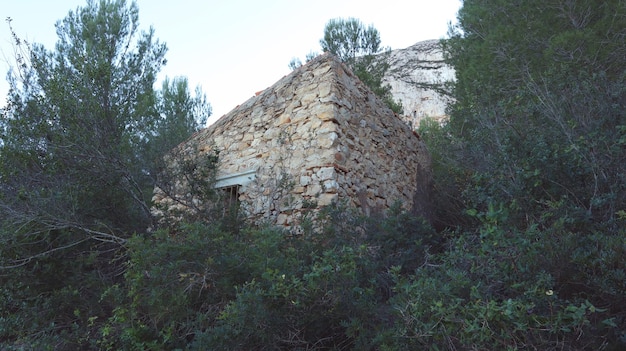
x=316, y=136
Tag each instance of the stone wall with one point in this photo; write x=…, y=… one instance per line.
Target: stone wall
x=380, y=156
x=316, y=136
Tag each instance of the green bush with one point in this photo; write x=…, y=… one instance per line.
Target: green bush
x=201, y=287
x=508, y=289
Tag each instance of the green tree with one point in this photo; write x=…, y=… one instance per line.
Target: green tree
x=533, y=161
x=539, y=101
x=357, y=46
x=179, y=114
x=296, y=62
x=77, y=158
x=75, y=121
x=349, y=39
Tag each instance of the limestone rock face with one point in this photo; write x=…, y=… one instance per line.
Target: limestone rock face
x=316, y=136
x=416, y=75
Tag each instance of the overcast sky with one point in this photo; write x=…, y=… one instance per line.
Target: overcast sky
x=233, y=48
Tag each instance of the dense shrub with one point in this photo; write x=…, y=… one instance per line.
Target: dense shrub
x=505, y=288
x=263, y=288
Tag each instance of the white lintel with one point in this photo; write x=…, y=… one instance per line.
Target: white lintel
x=241, y=178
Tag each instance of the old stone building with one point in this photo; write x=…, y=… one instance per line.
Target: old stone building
x=316, y=136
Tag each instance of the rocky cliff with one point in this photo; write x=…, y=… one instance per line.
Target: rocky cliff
x=416, y=76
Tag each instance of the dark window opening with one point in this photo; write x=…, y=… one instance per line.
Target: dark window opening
x=230, y=200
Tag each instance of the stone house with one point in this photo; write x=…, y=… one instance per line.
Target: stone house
x=316, y=136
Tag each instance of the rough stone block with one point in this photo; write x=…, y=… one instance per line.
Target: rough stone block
x=326, y=199
x=326, y=173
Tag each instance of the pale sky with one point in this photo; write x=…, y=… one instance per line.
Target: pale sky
x=234, y=48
